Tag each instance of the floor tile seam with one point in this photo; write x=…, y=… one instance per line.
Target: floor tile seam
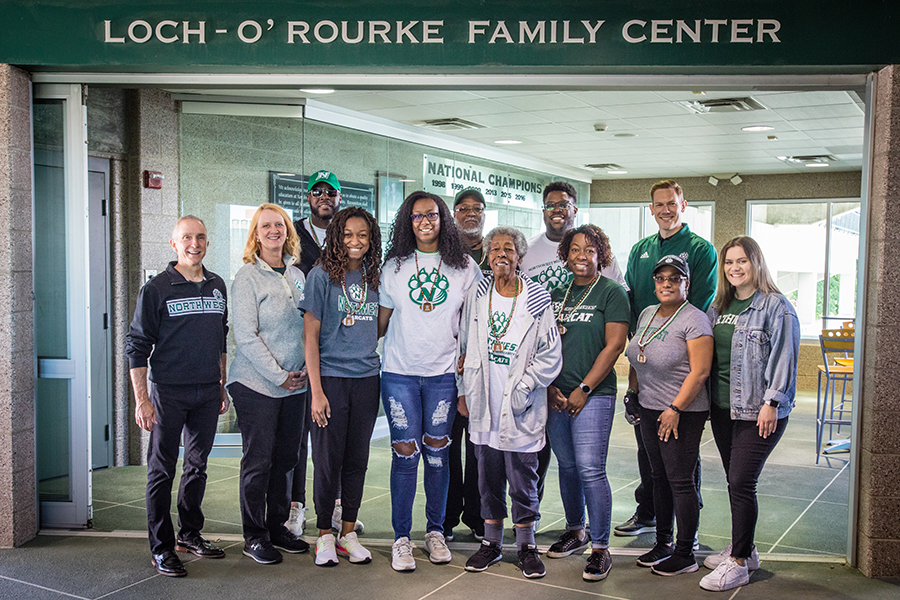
x=776, y=496
x=131, y=585
x=547, y=585
x=42, y=587
x=797, y=520
x=440, y=587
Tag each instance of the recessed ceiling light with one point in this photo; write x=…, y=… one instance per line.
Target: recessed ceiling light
x=507, y=142
x=617, y=172
x=624, y=135
x=317, y=90
x=757, y=128
x=816, y=164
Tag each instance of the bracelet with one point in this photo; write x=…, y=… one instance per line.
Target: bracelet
x=675, y=408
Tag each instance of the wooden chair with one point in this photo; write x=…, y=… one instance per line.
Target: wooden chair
x=837, y=354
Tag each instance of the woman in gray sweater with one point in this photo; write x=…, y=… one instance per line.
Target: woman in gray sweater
x=266, y=380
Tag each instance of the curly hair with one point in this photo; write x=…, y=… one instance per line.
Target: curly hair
x=252, y=247
x=403, y=239
x=335, y=260
x=595, y=237
x=560, y=186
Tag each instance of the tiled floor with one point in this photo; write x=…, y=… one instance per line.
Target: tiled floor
x=803, y=516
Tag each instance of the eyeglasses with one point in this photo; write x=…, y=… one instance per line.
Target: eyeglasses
x=675, y=279
x=561, y=205
x=317, y=193
x=417, y=217
x=469, y=209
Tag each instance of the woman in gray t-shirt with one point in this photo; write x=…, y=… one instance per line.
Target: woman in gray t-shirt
x=670, y=356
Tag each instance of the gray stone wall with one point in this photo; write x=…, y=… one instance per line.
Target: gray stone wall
x=18, y=496
x=879, y=405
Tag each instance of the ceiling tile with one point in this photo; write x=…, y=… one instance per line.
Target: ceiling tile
x=364, y=102
x=552, y=101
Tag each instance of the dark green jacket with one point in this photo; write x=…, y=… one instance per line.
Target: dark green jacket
x=701, y=258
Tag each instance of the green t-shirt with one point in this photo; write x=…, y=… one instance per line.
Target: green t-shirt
x=723, y=331
x=585, y=335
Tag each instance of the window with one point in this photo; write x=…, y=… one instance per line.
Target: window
x=626, y=224
x=811, y=249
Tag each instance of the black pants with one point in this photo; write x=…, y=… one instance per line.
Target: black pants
x=463, y=497
x=340, y=450
x=298, y=476
x=270, y=430
x=194, y=410
x=544, y=456
x=673, y=464
x=744, y=453
x=643, y=493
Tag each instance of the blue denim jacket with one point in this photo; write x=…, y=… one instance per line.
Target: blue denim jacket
x=764, y=352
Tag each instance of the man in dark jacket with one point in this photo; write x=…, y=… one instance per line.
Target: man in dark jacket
x=324, y=197
x=179, y=327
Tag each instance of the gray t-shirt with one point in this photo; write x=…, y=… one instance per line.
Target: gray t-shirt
x=343, y=351
x=661, y=376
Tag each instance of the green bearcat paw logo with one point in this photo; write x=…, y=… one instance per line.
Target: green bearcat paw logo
x=428, y=286
x=553, y=277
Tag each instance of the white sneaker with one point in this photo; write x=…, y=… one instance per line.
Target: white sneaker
x=336, y=519
x=714, y=560
x=727, y=576
x=326, y=556
x=401, y=555
x=436, y=547
x=349, y=547
x=296, y=522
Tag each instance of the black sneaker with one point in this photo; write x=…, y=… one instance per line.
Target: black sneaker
x=530, y=562
x=448, y=535
x=659, y=553
x=568, y=543
x=289, y=542
x=675, y=565
x=262, y=552
x=478, y=532
x=598, y=565
x=487, y=555
x=635, y=527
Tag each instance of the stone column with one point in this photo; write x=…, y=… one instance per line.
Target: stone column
x=879, y=406
x=18, y=496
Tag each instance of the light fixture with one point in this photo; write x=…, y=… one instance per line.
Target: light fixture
x=624, y=135
x=757, y=128
x=600, y=127
x=317, y=90
x=617, y=172
x=816, y=164
x=507, y=142
x=713, y=181
x=809, y=160
x=736, y=179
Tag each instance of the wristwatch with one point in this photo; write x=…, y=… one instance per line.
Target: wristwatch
x=773, y=403
x=584, y=387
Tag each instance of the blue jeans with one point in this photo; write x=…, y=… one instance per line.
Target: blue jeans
x=581, y=445
x=416, y=408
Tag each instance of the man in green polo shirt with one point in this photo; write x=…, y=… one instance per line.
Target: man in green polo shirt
x=667, y=204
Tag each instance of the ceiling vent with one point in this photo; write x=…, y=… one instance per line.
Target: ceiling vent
x=722, y=105
x=604, y=167
x=809, y=158
x=453, y=124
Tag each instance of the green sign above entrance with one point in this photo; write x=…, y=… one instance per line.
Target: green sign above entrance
x=345, y=36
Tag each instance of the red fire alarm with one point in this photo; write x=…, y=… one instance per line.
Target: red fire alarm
x=153, y=180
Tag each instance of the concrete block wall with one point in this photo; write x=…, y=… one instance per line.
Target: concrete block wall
x=879, y=468
x=18, y=495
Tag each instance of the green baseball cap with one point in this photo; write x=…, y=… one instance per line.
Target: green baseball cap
x=326, y=176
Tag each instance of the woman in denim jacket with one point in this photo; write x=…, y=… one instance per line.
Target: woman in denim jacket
x=753, y=384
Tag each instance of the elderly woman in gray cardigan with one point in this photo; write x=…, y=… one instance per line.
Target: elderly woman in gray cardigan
x=266, y=380
x=510, y=352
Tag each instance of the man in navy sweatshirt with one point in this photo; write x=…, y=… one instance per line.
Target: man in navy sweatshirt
x=179, y=327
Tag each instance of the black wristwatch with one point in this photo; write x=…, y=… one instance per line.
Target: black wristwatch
x=773, y=403
x=584, y=387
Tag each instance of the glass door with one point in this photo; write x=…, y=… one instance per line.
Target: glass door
x=61, y=306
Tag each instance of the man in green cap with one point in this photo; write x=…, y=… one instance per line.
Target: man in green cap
x=324, y=197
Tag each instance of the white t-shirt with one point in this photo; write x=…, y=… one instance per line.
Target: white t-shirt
x=317, y=232
x=543, y=266
x=423, y=342
x=498, y=367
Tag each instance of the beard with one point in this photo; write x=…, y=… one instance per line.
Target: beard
x=473, y=231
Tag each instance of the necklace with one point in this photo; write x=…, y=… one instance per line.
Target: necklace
x=498, y=335
x=312, y=229
x=560, y=317
x=642, y=343
x=352, y=309
x=483, y=256
x=427, y=306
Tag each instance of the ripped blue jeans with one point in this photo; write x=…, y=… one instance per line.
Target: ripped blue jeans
x=420, y=411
